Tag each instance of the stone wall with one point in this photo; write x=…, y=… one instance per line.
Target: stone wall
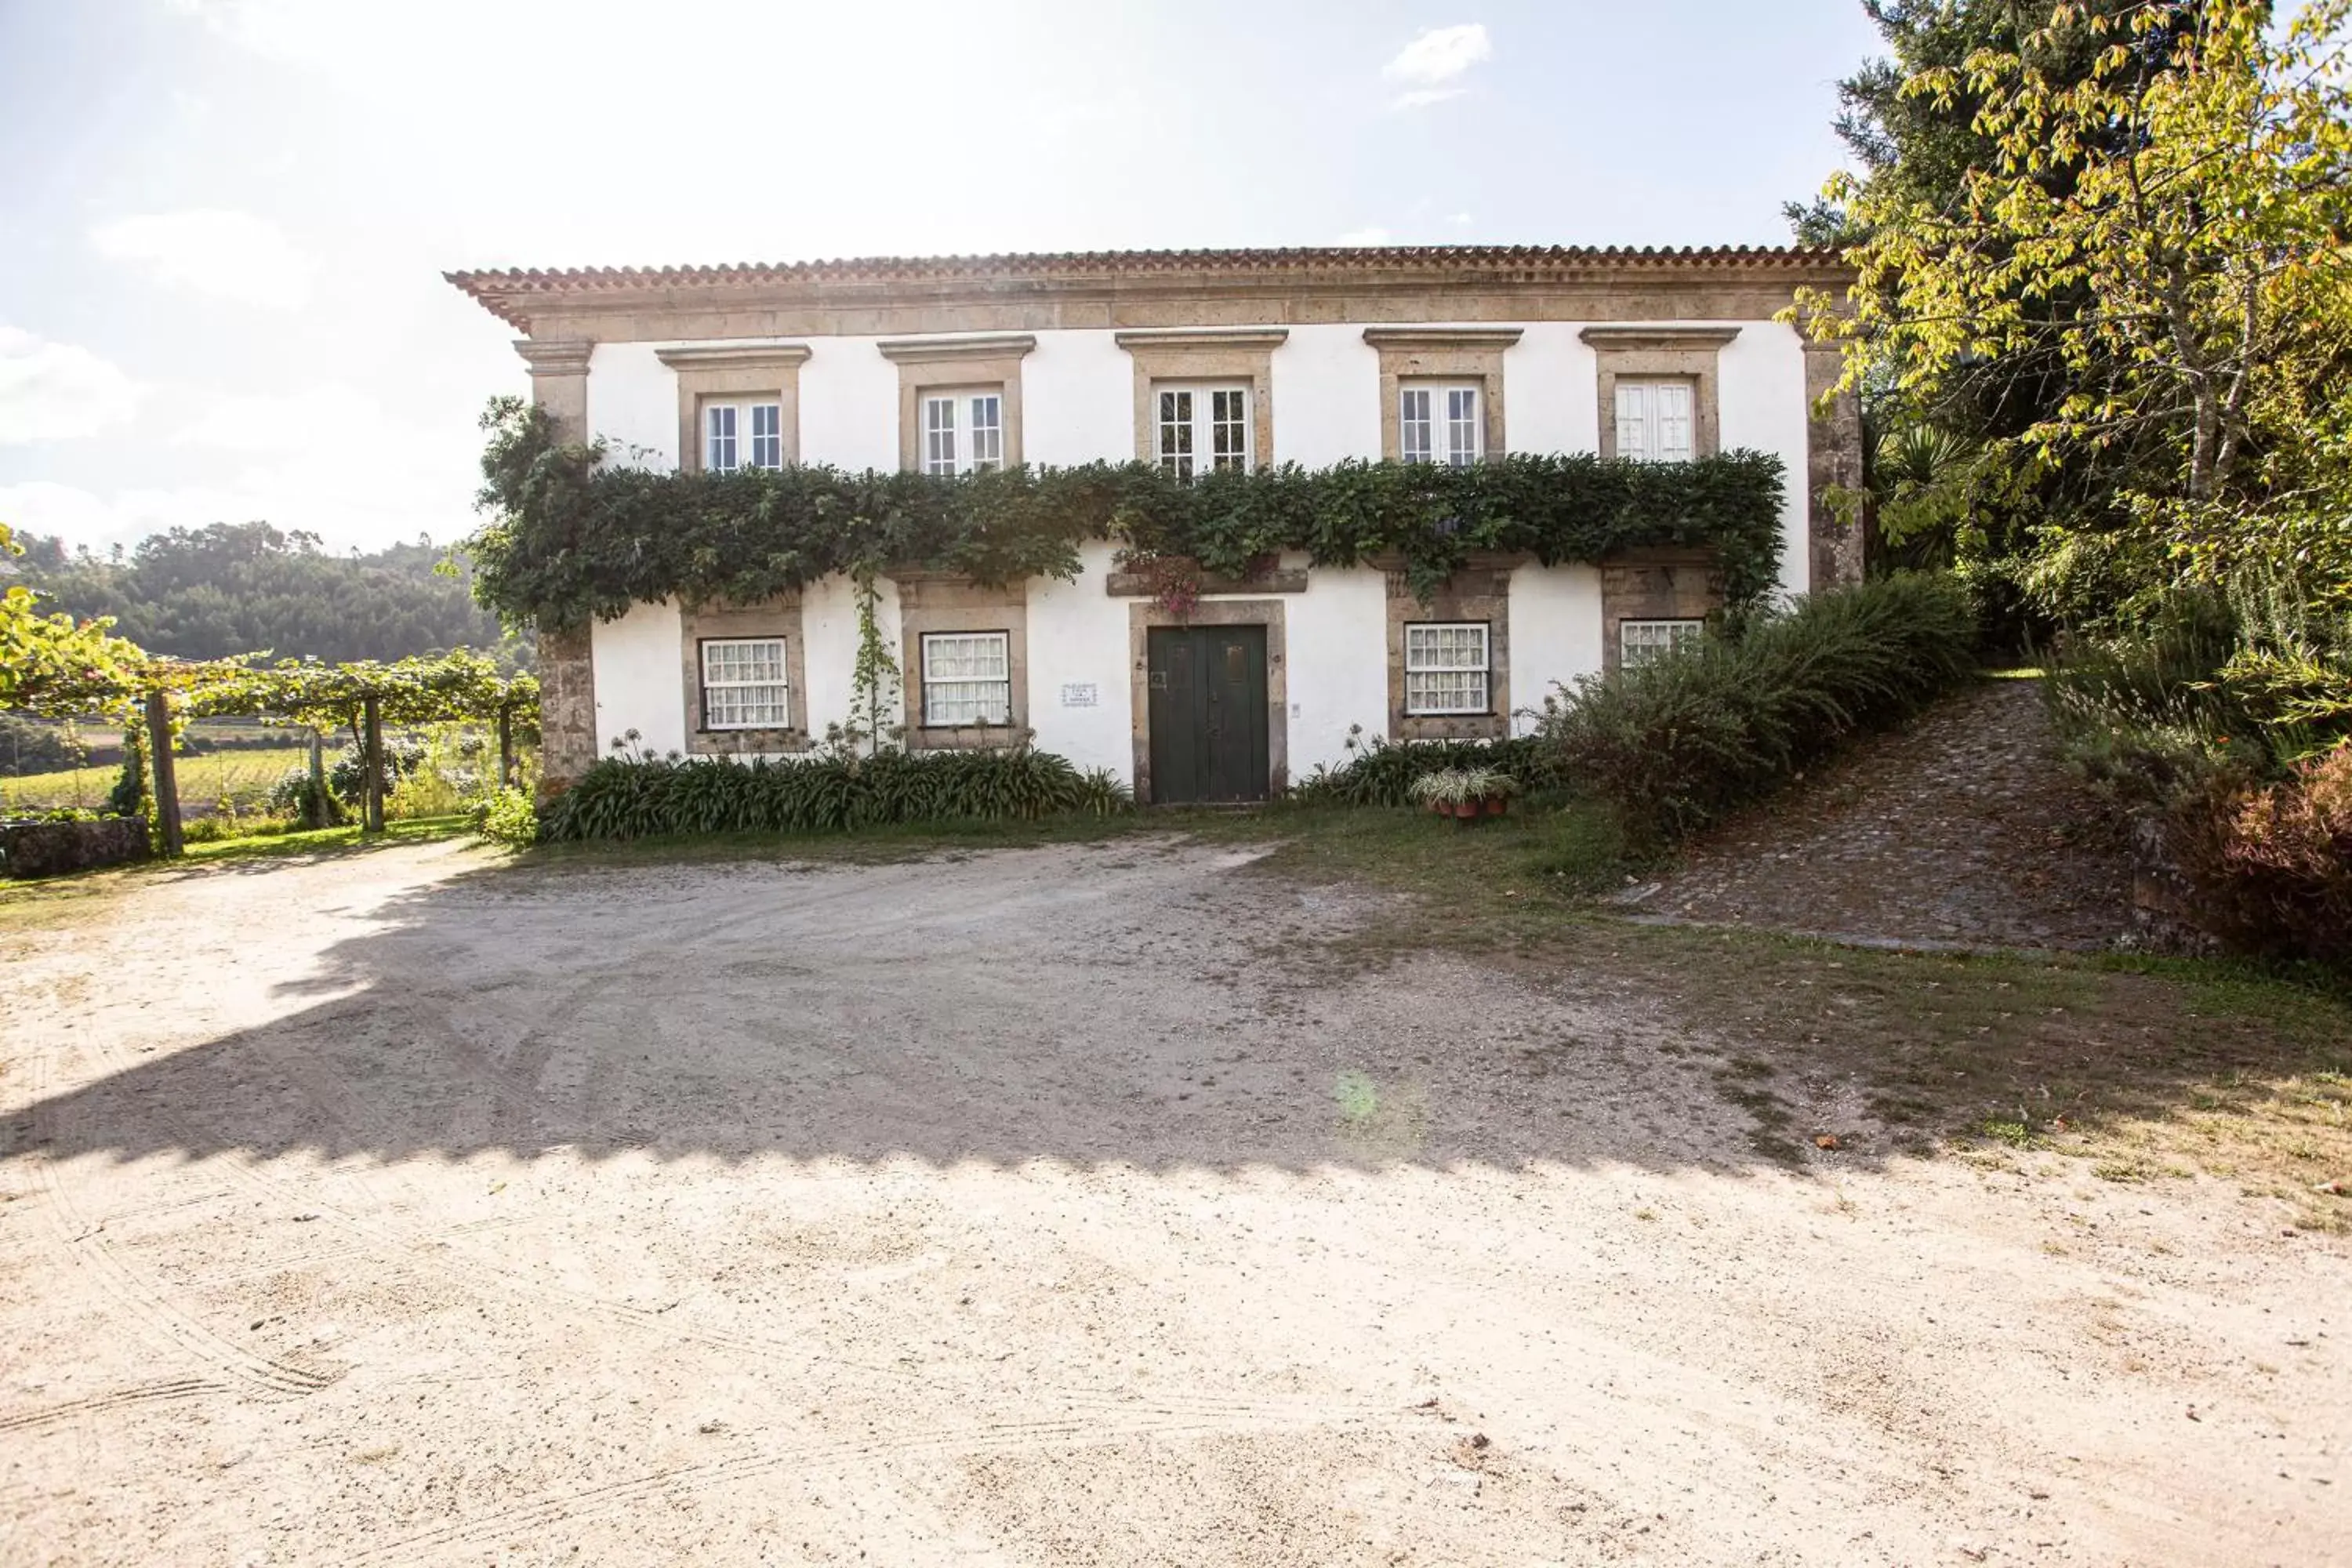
x=567, y=710
x=53, y=848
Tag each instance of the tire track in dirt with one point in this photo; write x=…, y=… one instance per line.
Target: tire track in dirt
x=84, y=1243
x=440, y=1250
x=169, y=1391
x=992, y=1437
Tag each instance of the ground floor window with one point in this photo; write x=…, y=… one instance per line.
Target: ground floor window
x=966, y=677
x=1638, y=642
x=1445, y=667
x=743, y=684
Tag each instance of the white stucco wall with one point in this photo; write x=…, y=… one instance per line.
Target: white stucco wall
x=633, y=405
x=1327, y=396
x=1078, y=636
x=1555, y=634
x=1762, y=387
x=849, y=405
x=829, y=633
x=636, y=663
x=1336, y=634
x=1077, y=400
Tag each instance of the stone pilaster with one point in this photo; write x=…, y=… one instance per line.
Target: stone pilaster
x=567, y=681
x=1832, y=460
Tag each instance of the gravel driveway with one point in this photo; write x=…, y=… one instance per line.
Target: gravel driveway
x=1071, y=1205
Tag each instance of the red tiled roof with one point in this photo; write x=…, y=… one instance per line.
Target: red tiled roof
x=504, y=293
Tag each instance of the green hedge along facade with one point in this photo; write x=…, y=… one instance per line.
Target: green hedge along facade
x=575, y=539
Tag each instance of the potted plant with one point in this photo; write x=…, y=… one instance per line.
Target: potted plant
x=1491, y=788
x=1441, y=791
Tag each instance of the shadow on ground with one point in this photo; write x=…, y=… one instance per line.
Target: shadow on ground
x=1143, y=1000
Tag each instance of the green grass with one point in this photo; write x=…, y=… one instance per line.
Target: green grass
x=242, y=775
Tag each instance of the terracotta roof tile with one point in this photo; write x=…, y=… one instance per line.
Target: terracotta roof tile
x=505, y=293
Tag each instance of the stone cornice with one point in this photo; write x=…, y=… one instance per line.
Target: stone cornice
x=771, y=356
x=1205, y=338
x=936, y=351
x=1650, y=340
x=565, y=356
x=1421, y=338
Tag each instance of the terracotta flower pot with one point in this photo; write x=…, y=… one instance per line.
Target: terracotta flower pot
x=1497, y=804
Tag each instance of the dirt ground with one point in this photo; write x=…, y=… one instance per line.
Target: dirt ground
x=1070, y=1205
x=1962, y=828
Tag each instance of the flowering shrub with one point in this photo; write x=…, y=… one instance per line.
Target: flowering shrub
x=2273, y=864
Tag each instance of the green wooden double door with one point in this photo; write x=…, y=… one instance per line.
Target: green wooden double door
x=1208, y=714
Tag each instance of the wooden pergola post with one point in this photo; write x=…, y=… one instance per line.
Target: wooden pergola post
x=374, y=719
x=506, y=746
x=167, y=783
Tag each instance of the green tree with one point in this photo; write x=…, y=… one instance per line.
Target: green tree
x=56, y=664
x=2159, y=240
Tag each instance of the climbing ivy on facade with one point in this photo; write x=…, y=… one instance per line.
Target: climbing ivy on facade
x=573, y=539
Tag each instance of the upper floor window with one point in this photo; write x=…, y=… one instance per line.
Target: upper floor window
x=743, y=684
x=1440, y=424
x=1653, y=421
x=963, y=432
x=966, y=677
x=1638, y=642
x=1447, y=666
x=737, y=434
x=1202, y=428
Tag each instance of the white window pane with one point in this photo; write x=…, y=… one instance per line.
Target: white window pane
x=743, y=684
x=966, y=677
x=1673, y=422
x=1632, y=419
x=1416, y=429
x=1463, y=437
x=987, y=432
x=1640, y=641
x=719, y=447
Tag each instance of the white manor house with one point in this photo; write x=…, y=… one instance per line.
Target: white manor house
x=1192, y=359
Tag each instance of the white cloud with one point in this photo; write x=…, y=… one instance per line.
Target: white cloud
x=56, y=392
x=1440, y=54
x=287, y=423
x=1374, y=235
x=283, y=29
x=232, y=255
x=1459, y=220
x=1422, y=97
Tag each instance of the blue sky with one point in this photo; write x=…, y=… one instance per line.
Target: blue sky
x=226, y=220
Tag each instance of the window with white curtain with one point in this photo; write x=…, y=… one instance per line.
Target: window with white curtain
x=1638, y=642
x=1437, y=423
x=1202, y=428
x=743, y=685
x=1653, y=421
x=966, y=677
x=963, y=432
x=1445, y=667
x=739, y=434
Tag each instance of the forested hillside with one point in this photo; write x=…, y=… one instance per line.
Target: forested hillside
x=244, y=587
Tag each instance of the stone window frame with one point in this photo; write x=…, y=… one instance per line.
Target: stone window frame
x=1662, y=353
x=1459, y=355
x=1663, y=583
x=1142, y=614
x=778, y=618
x=957, y=364
x=706, y=373
x=951, y=602
x=1202, y=355
x=1480, y=591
